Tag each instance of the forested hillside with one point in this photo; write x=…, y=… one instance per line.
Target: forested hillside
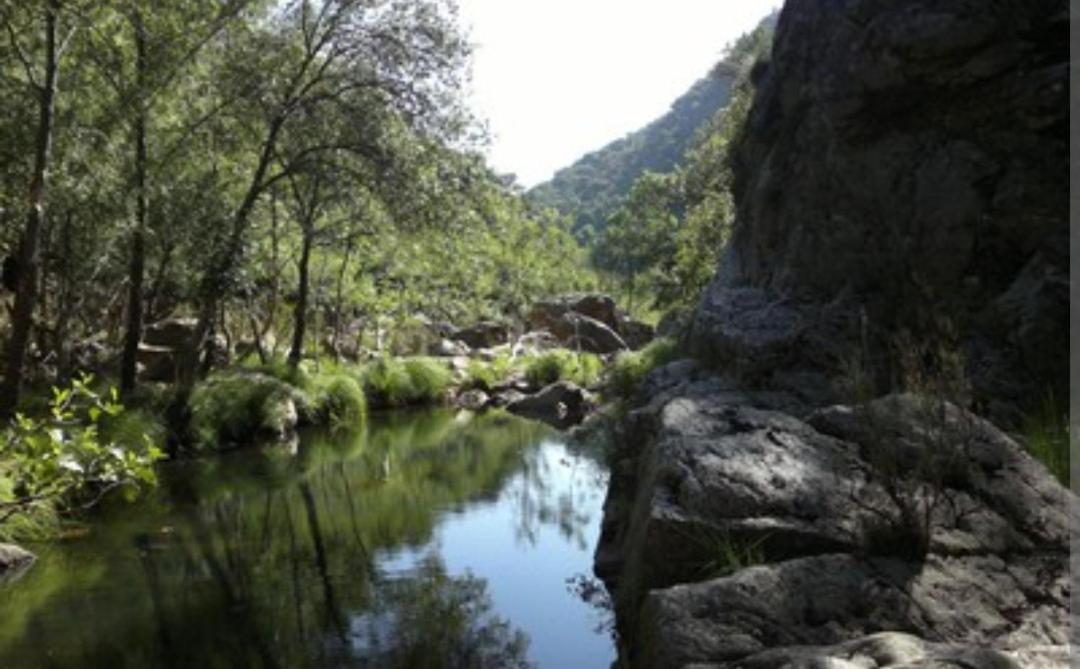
x=593, y=187
x=590, y=189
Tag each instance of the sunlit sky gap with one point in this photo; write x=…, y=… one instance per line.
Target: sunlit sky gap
x=556, y=79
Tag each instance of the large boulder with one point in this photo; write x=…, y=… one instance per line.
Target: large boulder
x=174, y=333
x=545, y=315
x=734, y=529
x=487, y=334
x=560, y=404
x=157, y=363
x=912, y=158
x=636, y=334
x=14, y=561
x=587, y=334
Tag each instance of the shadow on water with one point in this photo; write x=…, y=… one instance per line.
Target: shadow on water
x=405, y=544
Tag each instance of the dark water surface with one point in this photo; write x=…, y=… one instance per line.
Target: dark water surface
x=427, y=540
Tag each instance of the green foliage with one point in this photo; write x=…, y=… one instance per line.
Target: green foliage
x=391, y=382
x=278, y=367
x=592, y=189
x=584, y=369
x=336, y=399
x=1045, y=433
x=486, y=375
x=429, y=380
x=631, y=367
x=65, y=461
x=236, y=407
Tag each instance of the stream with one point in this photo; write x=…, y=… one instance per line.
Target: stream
x=426, y=539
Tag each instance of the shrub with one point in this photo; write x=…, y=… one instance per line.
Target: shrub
x=583, y=369
x=279, y=368
x=428, y=379
x=336, y=399
x=396, y=383
x=63, y=462
x=486, y=375
x=235, y=407
x=631, y=368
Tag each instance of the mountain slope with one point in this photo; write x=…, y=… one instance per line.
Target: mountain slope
x=592, y=187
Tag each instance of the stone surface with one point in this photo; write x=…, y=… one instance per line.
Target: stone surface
x=14, y=561
x=487, y=334
x=636, y=334
x=473, y=400
x=560, y=404
x=709, y=479
x=174, y=333
x=912, y=159
x=544, y=315
x=587, y=334
x=449, y=348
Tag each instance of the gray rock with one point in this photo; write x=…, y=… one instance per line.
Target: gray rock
x=487, y=334
x=448, y=348
x=532, y=343
x=636, y=334
x=545, y=315
x=587, y=334
x=912, y=157
x=713, y=480
x=158, y=363
x=14, y=560
x=561, y=405
x=174, y=333
x=473, y=400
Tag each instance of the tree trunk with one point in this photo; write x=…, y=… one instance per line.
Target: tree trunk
x=137, y=267
x=29, y=246
x=296, y=353
x=216, y=279
x=339, y=299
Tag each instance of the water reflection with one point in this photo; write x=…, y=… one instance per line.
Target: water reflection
x=398, y=546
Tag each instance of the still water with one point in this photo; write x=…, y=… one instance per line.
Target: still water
x=424, y=540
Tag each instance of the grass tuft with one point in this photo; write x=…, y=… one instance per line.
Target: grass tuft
x=1046, y=436
x=584, y=369
x=631, y=367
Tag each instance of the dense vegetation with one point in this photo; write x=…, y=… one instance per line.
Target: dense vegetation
x=296, y=179
x=285, y=172
x=593, y=187
x=665, y=238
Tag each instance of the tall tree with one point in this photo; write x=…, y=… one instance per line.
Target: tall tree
x=42, y=80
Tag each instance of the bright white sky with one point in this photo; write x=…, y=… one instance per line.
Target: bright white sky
x=556, y=79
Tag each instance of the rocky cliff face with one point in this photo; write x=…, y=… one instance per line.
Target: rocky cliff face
x=910, y=160
x=903, y=174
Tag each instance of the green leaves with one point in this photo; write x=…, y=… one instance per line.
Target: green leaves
x=61, y=460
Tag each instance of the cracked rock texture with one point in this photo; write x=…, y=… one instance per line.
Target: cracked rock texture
x=737, y=535
x=903, y=161
x=903, y=169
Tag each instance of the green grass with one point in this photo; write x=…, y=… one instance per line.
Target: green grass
x=232, y=407
x=584, y=369
x=390, y=382
x=486, y=375
x=631, y=367
x=1046, y=436
x=278, y=367
x=335, y=399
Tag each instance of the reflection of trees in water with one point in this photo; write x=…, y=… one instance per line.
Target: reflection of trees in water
x=431, y=619
x=553, y=492
x=279, y=569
